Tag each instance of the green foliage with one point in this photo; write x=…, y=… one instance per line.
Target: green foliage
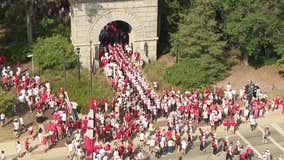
x=79, y=91
x=18, y=51
x=255, y=27
x=49, y=52
x=52, y=26
x=196, y=72
x=6, y=102
x=270, y=61
x=170, y=14
x=14, y=14
x=15, y=38
x=197, y=33
x=280, y=64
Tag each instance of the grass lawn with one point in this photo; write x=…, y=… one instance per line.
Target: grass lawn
x=154, y=72
x=79, y=91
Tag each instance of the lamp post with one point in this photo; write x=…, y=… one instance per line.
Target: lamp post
x=65, y=81
x=78, y=62
x=91, y=67
x=177, y=52
x=146, y=49
x=32, y=56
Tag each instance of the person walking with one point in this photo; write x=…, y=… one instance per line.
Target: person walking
x=184, y=146
x=3, y=155
x=19, y=149
x=225, y=143
x=22, y=124
x=202, y=142
x=30, y=132
x=249, y=153
x=266, y=135
x=2, y=119
x=252, y=123
x=16, y=127
x=27, y=146
x=229, y=155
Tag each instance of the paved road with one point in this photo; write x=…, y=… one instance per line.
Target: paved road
x=274, y=120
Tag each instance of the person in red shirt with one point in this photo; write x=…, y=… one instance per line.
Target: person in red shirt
x=229, y=155
x=225, y=143
x=120, y=150
x=44, y=144
x=27, y=146
x=118, y=135
x=30, y=132
x=215, y=146
x=5, y=80
x=226, y=124
x=243, y=155
x=233, y=124
x=249, y=153
x=130, y=148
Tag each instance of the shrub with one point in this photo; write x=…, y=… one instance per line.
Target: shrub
x=6, y=102
x=280, y=64
x=196, y=72
x=49, y=52
x=18, y=51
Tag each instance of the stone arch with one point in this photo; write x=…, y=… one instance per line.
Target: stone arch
x=138, y=31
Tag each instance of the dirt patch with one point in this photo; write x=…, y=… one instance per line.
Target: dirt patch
x=267, y=77
x=168, y=59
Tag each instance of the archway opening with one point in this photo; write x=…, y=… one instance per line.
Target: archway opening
x=115, y=32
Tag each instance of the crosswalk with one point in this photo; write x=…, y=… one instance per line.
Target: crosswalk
x=247, y=138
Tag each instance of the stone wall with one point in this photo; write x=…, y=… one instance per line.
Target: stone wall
x=88, y=19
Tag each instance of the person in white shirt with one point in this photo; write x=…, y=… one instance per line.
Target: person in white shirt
x=142, y=138
x=37, y=79
x=77, y=136
x=152, y=145
x=74, y=109
x=19, y=149
x=47, y=85
x=63, y=117
x=16, y=127
x=3, y=155
x=252, y=123
x=22, y=123
x=116, y=155
x=21, y=98
x=246, y=114
x=183, y=146
x=170, y=146
x=2, y=119
x=140, y=155
x=229, y=87
x=80, y=153
x=70, y=148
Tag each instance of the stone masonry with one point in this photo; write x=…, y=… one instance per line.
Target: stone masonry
x=88, y=17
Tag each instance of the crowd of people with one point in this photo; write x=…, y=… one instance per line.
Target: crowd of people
x=37, y=96
x=137, y=106
x=134, y=110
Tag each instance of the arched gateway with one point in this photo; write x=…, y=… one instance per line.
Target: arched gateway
x=90, y=17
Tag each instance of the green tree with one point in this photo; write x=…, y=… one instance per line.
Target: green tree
x=253, y=27
x=197, y=33
x=170, y=12
x=50, y=52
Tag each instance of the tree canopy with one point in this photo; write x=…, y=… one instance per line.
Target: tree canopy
x=50, y=52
